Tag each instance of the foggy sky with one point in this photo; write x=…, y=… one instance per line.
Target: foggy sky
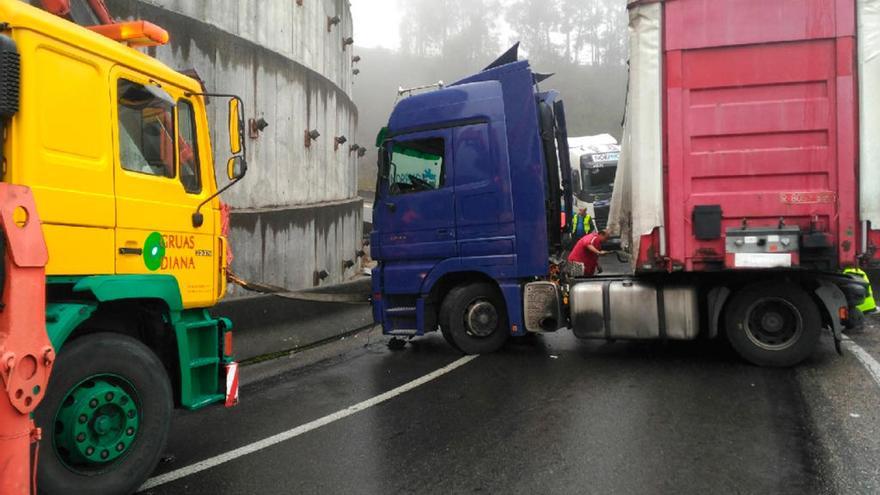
x=594, y=93
x=376, y=23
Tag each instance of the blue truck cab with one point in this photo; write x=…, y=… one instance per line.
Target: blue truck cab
x=471, y=186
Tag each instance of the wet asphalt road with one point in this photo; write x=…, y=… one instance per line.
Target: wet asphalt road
x=549, y=415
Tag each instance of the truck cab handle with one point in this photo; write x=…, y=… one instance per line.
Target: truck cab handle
x=391, y=207
x=128, y=250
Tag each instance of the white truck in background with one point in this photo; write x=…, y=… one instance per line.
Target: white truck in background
x=594, y=166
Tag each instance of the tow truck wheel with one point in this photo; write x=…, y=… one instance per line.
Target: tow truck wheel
x=105, y=417
x=473, y=318
x=773, y=324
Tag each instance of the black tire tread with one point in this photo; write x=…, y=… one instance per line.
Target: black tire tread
x=791, y=356
x=107, y=352
x=453, y=328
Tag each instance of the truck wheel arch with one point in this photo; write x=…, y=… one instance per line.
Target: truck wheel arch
x=829, y=298
x=716, y=300
x=145, y=320
x=450, y=280
x=826, y=295
x=441, y=287
x=123, y=304
x=107, y=288
x=773, y=323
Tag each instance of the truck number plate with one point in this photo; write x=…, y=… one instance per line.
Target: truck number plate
x=762, y=260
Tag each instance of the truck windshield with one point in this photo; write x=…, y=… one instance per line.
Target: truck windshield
x=599, y=179
x=416, y=166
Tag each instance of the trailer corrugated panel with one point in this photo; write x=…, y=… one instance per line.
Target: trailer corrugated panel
x=760, y=120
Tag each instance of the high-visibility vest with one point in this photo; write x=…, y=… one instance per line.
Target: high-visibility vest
x=587, y=221
x=869, y=304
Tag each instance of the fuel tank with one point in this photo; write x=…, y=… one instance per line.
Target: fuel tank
x=626, y=308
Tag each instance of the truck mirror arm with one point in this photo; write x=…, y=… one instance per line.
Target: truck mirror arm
x=197, y=218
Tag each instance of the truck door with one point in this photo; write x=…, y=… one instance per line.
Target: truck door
x=483, y=205
x=159, y=183
x=414, y=212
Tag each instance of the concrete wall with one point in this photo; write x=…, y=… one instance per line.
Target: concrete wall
x=297, y=211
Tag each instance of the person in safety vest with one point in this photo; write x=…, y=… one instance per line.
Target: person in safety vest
x=581, y=224
x=587, y=251
x=869, y=306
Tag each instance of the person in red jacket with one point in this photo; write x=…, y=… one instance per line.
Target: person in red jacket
x=587, y=251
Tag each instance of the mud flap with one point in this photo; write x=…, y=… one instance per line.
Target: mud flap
x=833, y=299
x=838, y=343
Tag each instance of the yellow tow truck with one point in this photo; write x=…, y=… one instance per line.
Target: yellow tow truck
x=116, y=149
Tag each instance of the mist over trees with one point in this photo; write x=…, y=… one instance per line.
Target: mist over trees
x=583, y=42
x=445, y=29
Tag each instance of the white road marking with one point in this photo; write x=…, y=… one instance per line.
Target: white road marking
x=299, y=430
x=866, y=359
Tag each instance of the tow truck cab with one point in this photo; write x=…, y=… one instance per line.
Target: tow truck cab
x=460, y=170
x=116, y=148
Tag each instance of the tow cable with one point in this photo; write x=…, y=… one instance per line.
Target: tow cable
x=360, y=295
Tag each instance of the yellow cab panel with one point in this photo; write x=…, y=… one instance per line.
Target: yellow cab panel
x=62, y=150
x=111, y=172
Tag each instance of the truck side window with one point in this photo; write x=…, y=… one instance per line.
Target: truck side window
x=146, y=131
x=187, y=148
x=416, y=166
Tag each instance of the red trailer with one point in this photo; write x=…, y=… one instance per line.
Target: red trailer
x=741, y=169
x=755, y=128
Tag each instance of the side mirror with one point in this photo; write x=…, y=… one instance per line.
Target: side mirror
x=236, y=126
x=236, y=167
x=9, y=78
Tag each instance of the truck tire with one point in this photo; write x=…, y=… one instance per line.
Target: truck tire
x=775, y=324
x=473, y=318
x=105, y=417
x=447, y=335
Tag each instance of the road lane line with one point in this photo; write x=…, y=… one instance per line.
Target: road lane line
x=299, y=430
x=866, y=359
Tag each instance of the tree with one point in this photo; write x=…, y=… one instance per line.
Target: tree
x=453, y=30
x=535, y=23
x=583, y=41
x=577, y=32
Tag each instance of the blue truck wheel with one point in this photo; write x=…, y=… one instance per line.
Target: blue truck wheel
x=474, y=318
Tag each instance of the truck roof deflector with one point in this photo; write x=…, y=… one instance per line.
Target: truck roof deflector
x=539, y=77
x=509, y=57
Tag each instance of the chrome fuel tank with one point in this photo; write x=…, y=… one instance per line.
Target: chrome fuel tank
x=631, y=309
